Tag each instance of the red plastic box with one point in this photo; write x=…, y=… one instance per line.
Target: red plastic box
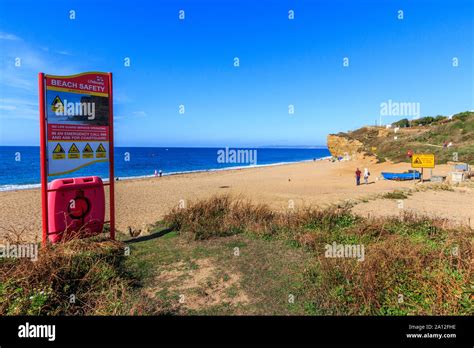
x=76, y=207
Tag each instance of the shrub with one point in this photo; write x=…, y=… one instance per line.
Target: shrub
x=410, y=268
x=396, y=195
x=403, y=123
x=423, y=121
x=89, y=270
x=224, y=216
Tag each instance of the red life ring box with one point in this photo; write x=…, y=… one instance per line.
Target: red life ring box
x=76, y=208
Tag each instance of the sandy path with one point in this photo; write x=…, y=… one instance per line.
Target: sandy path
x=143, y=201
x=456, y=206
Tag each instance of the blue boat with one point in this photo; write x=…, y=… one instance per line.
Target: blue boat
x=409, y=175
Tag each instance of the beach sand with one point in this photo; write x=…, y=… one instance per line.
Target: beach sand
x=144, y=201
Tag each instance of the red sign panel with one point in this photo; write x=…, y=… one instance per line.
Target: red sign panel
x=77, y=117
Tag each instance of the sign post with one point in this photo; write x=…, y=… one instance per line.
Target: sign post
x=43, y=161
x=76, y=130
x=422, y=161
x=111, y=161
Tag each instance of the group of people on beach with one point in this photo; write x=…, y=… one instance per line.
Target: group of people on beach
x=358, y=174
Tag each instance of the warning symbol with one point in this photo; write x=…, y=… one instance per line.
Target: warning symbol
x=73, y=152
x=57, y=105
x=87, y=152
x=100, y=151
x=58, y=152
x=423, y=160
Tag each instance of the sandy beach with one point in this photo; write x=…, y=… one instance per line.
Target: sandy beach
x=144, y=201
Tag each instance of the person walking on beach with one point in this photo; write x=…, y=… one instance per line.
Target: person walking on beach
x=366, y=176
x=358, y=173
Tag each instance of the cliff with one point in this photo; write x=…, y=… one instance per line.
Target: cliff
x=450, y=139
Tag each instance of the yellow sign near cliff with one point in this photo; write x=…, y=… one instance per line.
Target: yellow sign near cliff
x=423, y=160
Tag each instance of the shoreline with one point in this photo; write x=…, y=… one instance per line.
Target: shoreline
x=22, y=187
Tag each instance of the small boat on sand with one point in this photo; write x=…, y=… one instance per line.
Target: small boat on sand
x=409, y=175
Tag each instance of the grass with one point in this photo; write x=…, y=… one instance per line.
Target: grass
x=226, y=256
x=75, y=278
x=411, y=257
x=396, y=195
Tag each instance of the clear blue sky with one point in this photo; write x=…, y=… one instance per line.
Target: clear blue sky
x=282, y=62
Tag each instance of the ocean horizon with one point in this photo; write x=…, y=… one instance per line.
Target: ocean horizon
x=21, y=164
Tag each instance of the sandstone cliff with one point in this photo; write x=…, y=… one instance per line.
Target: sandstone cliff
x=394, y=143
x=342, y=146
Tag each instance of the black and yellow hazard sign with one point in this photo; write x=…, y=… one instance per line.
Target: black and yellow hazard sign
x=100, y=151
x=57, y=105
x=58, y=152
x=73, y=152
x=87, y=151
x=423, y=160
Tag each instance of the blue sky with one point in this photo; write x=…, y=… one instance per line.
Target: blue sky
x=282, y=62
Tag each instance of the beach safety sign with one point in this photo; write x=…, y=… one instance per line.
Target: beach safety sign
x=76, y=130
x=423, y=160
x=77, y=121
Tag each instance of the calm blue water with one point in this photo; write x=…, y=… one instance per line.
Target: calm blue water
x=143, y=162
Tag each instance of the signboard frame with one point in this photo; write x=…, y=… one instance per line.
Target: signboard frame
x=44, y=151
x=423, y=155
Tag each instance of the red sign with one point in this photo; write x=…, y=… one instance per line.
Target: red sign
x=76, y=121
x=86, y=83
x=77, y=118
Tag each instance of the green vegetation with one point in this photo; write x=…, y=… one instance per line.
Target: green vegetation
x=403, y=123
x=396, y=195
x=228, y=256
x=424, y=135
x=79, y=277
x=412, y=264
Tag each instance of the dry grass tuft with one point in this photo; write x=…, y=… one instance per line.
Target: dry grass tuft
x=224, y=215
x=75, y=278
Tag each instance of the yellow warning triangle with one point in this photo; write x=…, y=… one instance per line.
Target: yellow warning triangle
x=58, y=149
x=57, y=105
x=73, y=149
x=100, y=148
x=418, y=161
x=88, y=148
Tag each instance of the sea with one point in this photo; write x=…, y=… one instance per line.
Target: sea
x=20, y=165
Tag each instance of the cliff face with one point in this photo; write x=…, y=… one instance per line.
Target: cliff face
x=393, y=143
x=341, y=146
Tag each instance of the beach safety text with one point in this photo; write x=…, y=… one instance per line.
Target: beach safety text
x=76, y=85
